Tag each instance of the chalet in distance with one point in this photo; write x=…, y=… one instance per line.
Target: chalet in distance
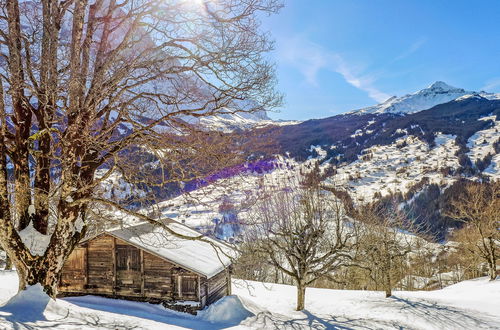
x=147, y=263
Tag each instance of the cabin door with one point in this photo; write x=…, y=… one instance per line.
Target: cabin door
x=73, y=272
x=187, y=287
x=128, y=270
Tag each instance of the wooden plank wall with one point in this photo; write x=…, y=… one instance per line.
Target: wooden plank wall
x=217, y=287
x=128, y=281
x=92, y=269
x=100, y=265
x=158, y=277
x=180, y=275
x=73, y=277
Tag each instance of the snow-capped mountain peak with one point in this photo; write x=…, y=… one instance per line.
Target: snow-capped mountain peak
x=441, y=86
x=437, y=93
x=230, y=122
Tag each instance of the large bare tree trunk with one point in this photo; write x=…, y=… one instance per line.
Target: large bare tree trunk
x=8, y=263
x=46, y=269
x=387, y=284
x=22, y=117
x=301, y=296
x=492, y=264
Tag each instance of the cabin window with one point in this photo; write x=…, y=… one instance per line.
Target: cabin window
x=127, y=258
x=188, y=286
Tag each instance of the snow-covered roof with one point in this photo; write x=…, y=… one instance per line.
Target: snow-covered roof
x=206, y=257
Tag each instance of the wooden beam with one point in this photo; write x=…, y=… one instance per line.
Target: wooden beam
x=198, y=280
x=142, y=271
x=86, y=266
x=179, y=285
x=228, y=281
x=114, y=265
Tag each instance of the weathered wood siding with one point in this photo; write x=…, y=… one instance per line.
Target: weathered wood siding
x=186, y=284
x=109, y=266
x=127, y=269
x=158, y=277
x=100, y=265
x=217, y=287
x=73, y=276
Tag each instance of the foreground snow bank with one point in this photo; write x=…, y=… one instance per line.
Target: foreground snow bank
x=227, y=310
x=27, y=305
x=8, y=285
x=471, y=304
x=255, y=305
x=33, y=309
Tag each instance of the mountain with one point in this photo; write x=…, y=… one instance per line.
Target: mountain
x=240, y=121
x=437, y=93
x=421, y=158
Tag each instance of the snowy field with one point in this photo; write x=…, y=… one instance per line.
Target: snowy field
x=468, y=305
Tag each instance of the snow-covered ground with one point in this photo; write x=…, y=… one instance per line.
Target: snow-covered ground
x=199, y=207
x=494, y=169
x=255, y=305
x=481, y=143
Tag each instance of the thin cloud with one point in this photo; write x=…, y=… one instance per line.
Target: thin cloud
x=310, y=58
x=412, y=49
x=491, y=84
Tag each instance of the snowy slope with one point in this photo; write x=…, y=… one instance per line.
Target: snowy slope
x=437, y=93
x=467, y=305
x=481, y=143
x=198, y=208
x=255, y=305
x=493, y=170
x=241, y=121
x=381, y=169
x=397, y=167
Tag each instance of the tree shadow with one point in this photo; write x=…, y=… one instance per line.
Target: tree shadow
x=149, y=312
x=26, y=306
x=268, y=320
x=88, y=321
x=444, y=317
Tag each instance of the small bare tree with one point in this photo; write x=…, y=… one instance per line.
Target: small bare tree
x=383, y=247
x=479, y=208
x=302, y=232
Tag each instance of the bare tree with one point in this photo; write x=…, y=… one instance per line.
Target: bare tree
x=84, y=83
x=479, y=208
x=383, y=246
x=301, y=231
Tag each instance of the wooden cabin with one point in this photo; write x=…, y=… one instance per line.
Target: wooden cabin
x=147, y=263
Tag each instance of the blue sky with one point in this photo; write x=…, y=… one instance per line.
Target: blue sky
x=338, y=55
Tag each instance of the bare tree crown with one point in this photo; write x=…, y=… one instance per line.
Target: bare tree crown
x=76, y=74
